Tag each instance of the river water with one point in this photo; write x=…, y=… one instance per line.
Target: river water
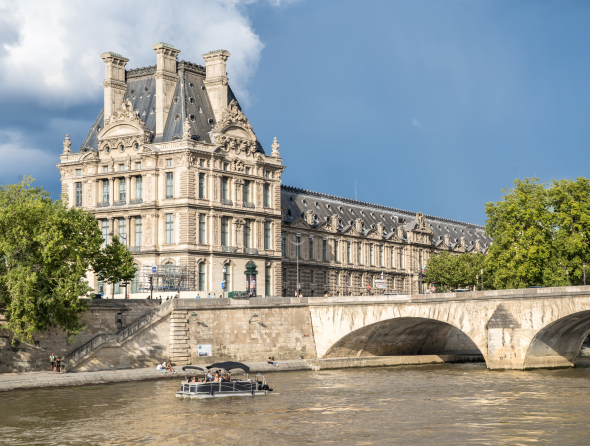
x=451, y=404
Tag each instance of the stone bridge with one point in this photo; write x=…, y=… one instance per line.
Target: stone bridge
x=513, y=329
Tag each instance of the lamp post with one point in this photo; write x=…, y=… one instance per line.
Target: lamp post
x=297, y=251
x=481, y=273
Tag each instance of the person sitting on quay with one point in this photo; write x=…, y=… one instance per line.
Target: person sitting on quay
x=271, y=360
x=161, y=367
x=169, y=367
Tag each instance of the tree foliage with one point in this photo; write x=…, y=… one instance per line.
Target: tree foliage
x=46, y=249
x=449, y=272
x=116, y=263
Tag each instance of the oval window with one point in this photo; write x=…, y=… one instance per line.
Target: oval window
x=136, y=146
x=108, y=149
x=122, y=148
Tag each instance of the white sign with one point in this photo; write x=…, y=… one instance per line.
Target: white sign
x=205, y=350
x=380, y=283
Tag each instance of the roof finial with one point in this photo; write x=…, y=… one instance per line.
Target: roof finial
x=275, y=147
x=67, y=145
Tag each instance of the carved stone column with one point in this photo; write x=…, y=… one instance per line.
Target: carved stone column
x=260, y=235
x=215, y=187
x=239, y=183
x=128, y=189
x=128, y=217
x=239, y=233
x=111, y=191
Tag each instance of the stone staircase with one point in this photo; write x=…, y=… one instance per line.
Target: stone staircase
x=89, y=349
x=179, y=347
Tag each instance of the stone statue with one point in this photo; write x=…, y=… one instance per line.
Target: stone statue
x=186, y=134
x=112, y=165
x=128, y=162
x=67, y=145
x=275, y=147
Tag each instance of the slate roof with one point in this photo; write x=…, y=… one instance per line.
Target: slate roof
x=190, y=99
x=298, y=201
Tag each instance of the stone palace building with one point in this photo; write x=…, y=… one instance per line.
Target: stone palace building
x=174, y=167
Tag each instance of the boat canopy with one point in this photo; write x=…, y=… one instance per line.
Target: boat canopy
x=229, y=365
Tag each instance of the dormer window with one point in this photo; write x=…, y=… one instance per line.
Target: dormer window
x=78, y=172
x=122, y=148
x=121, y=167
x=105, y=169
x=169, y=163
x=202, y=162
x=136, y=146
x=107, y=149
x=247, y=171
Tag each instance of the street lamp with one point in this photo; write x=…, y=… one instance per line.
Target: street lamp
x=297, y=251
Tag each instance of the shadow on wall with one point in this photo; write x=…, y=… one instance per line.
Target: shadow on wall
x=403, y=336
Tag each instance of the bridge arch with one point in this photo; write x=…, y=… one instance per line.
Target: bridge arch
x=403, y=336
x=557, y=344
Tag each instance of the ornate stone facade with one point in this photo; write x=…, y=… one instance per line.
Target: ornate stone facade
x=173, y=165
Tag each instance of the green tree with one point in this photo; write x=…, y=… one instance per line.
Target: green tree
x=45, y=251
x=449, y=271
x=115, y=263
x=570, y=203
x=521, y=226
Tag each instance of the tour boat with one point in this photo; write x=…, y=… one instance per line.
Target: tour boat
x=217, y=389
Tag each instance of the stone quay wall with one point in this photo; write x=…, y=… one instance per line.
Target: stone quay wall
x=102, y=316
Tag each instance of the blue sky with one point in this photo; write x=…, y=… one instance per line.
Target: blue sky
x=431, y=106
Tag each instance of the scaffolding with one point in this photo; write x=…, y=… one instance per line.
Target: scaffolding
x=168, y=278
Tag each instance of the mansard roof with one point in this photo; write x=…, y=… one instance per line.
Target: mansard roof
x=297, y=201
x=190, y=100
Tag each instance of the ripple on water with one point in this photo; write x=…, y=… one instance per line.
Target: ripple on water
x=430, y=404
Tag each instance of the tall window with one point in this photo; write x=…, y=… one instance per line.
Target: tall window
x=138, y=231
x=100, y=286
x=311, y=278
x=310, y=248
x=266, y=195
x=135, y=283
x=371, y=255
x=392, y=258
x=335, y=250
x=123, y=231
x=201, y=185
x=381, y=256
x=105, y=231
x=248, y=233
x=105, y=191
x=117, y=287
x=201, y=276
x=224, y=231
x=324, y=255
x=78, y=194
x=122, y=189
x=267, y=280
x=400, y=263
x=247, y=191
x=297, y=250
x=325, y=278
x=202, y=233
x=347, y=252
x=169, y=185
x=284, y=275
x=420, y=259
x=267, y=235
x=138, y=188
x=359, y=253
x=169, y=228
x=224, y=188
x=227, y=277
x=283, y=243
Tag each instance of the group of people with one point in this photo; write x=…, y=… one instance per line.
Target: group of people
x=216, y=377
x=208, y=296
x=165, y=367
x=55, y=363
x=271, y=360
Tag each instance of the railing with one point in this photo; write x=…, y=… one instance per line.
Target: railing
x=251, y=251
x=248, y=205
x=229, y=249
x=104, y=338
x=135, y=249
x=119, y=203
x=227, y=202
x=136, y=201
x=102, y=204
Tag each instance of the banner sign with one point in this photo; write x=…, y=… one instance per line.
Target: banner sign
x=205, y=350
x=380, y=283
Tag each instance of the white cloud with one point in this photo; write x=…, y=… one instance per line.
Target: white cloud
x=49, y=51
x=416, y=123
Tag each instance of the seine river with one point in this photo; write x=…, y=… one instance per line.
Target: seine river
x=417, y=405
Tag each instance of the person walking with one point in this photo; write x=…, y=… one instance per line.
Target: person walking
x=208, y=295
x=52, y=362
x=198, y=296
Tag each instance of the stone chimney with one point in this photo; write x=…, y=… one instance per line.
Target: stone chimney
x=358, y=225
x=380, y=228
x=447, y=239
x=114, y=82
x=216, y=80
x=166, y=78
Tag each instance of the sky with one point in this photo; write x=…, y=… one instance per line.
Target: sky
x=432, y=106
